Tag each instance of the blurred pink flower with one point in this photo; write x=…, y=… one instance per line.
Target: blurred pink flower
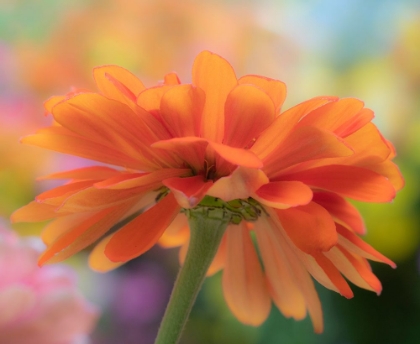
x=39, y=305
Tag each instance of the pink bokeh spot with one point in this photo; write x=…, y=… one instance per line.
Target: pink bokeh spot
x=39, y=305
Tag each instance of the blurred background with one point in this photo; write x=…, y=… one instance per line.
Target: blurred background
x=369, y=49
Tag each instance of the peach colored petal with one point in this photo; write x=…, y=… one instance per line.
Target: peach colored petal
x=98, y=261
x=92, y=199
x=190, y=149
x=283, y=195
x=216, y=77
x=134, y=180
x=236, y=156
x=150, y=98
x=140, y=234
x=356, y=122
x=51, y=102
x=333, y=115
x=117, y=83
x=342, y=211
x=349, y=181
x=248, y=111
x=34, y=212
x=303, y=144
x=334, y=275
x=272, y=137
x=99, y=119
x=354, y=270
x=354, y=244
x=243, y=281
x=181, y=108
x=188, y=191
x=310, y=227
x=307, y=288
x=177, y=233
x=53, y=230
x=171, y=79
x=57, y=195
x=391, y=171
x=307, y=260
x=84, y=173
x=81, y=234
x=281, y=278
x=62, y=140
x=369, y=146
x=275, y=89
x=241, y=184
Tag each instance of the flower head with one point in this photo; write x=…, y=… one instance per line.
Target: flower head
x=220, y=142
x=39, y=305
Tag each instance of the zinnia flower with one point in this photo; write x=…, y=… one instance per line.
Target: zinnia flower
x=220, y=142
x=39, y=305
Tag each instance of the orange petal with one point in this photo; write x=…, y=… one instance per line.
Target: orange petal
x=354, y=244
x=356, y=122
x=91, y=199
x=177, y=232
x=139, y=235
x=150, y=98
x=100, y=120
x=298, y=271
x=98, y=261
x=191, y=150
x=369, y=146
x=342, y=211
x=51, y=102
x=244, y=286
x=54, y=229
x=216, y=77
x=349, y=181
x=84, y=173
x=241, y=183
x=333, y=115
x=272, y=137
x=62, y=140
x=34, y=212
x=248, y=111
x=310, y=227
x=117, y=83
x=236, y=156
x=303, y=144
x=353, y=269
x=283, y=195
x=82, y=233
x=389, y=170
x=334, y=275
x=275, y=89
x=134, y=180
x=171, y=79
x=188, y=191
x=181, y=108
x=57, y=195
x=281, y=279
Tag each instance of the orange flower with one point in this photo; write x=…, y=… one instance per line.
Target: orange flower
x=220, y=141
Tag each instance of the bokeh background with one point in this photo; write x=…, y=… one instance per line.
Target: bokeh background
x=369, y=49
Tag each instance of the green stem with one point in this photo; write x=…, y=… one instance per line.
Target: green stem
x=207, y=229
